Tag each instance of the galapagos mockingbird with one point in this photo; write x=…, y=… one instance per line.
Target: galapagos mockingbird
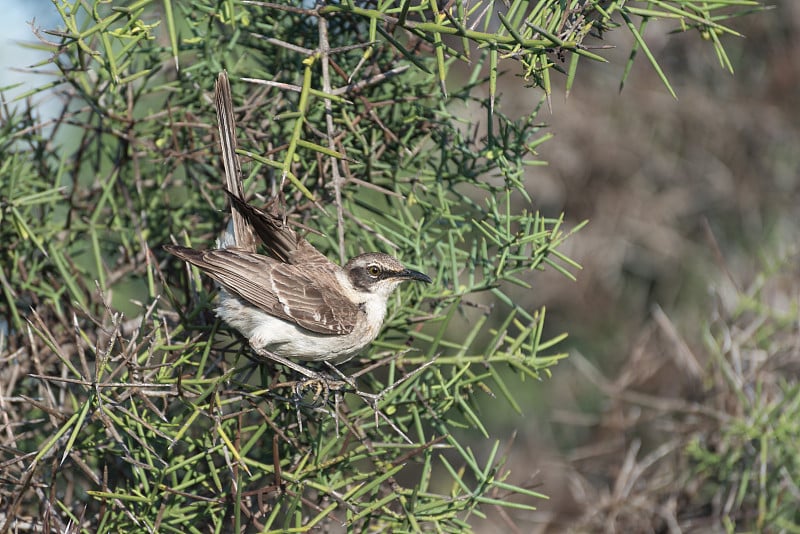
x=294, y=303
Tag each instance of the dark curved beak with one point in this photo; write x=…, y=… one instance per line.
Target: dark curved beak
x=410, y=274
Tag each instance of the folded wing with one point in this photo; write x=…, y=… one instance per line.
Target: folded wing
x=302, y=296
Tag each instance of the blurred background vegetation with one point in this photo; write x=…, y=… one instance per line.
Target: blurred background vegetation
x=676, y=409
x=691, y=248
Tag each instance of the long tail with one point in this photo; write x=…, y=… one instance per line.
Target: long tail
x=240, y=232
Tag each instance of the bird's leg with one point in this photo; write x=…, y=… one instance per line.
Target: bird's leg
x=310, y=377
x=267, y=355
x=324, y=384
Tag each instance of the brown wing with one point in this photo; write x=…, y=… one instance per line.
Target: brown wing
x=304, y=296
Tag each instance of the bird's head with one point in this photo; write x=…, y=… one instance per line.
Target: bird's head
x=379, y=274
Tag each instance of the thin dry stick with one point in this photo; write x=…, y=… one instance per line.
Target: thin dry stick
x=271, y=83
x=324, y=49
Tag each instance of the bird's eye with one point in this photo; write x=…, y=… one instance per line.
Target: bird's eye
x=373, y=270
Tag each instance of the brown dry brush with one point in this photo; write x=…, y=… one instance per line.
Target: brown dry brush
x=704, y=438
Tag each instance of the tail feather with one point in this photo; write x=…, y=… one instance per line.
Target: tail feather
x=242, y=234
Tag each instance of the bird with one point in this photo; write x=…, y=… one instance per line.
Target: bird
x=293, y=303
